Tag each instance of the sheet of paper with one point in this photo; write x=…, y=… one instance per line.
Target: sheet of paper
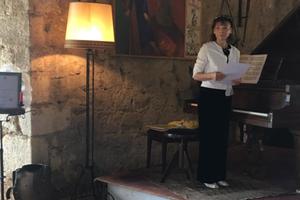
x=256, y=63
x=233, y=71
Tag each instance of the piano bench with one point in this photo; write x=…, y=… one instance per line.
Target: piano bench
x=181, y=136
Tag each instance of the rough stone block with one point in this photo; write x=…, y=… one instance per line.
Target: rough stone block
x=17, y=152
x=49, y=119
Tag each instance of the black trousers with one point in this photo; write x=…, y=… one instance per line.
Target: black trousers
x=214, y=115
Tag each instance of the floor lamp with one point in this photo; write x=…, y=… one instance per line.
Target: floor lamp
x=90, y=27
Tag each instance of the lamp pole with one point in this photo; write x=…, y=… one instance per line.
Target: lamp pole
x=90, y=113
x=90, y=110
x=89, y=123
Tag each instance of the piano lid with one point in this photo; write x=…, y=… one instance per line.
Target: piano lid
x=283, y=48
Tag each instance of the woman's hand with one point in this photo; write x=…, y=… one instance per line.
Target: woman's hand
x=236, y=81
x=217, y=76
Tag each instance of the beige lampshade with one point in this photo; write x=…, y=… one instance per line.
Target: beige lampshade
x=90, y=25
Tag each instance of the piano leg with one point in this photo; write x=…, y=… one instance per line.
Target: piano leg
x=252, y=136
x=296, y=134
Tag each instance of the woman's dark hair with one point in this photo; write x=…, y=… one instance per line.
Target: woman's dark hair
x=223, y=19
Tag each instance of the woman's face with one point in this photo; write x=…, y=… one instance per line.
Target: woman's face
x=222, y=30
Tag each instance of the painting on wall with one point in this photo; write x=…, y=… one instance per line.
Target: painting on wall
x=150, y=27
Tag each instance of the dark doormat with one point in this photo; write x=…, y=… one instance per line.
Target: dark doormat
x=280, y=197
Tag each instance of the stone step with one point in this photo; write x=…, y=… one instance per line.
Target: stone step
x=131, y=187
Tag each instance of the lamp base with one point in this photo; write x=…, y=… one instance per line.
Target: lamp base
x=85, y=187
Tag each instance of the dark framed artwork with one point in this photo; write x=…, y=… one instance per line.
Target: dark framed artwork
x=150, y=27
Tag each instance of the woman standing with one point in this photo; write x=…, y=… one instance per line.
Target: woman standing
x=214, y=103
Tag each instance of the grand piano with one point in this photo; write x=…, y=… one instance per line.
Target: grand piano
x=274, y=102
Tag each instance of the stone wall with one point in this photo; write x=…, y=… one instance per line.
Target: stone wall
x=14, y=57
x=130, y=92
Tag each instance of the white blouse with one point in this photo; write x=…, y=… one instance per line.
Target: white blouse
x=209, y=59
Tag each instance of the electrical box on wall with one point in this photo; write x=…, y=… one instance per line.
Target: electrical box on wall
x=11, y=97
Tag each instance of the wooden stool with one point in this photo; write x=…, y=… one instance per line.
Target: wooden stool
x=179, y=135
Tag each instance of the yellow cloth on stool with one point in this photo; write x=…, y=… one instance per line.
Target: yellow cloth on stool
x=184, y=124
